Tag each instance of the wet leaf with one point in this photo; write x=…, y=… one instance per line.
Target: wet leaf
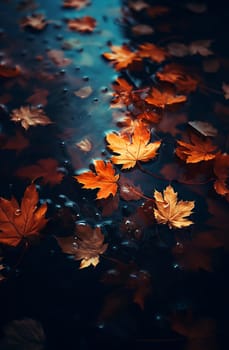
x=86, y=245
x=76, y=4
x=103, y=178
x=9, y=71
x=197, y=150
x=170, y=211
x=85, y=24
x=153, y=52
x=16, y=143
x=30, y=116
x=39, y=97
x=142, y=29
x=121, y=56
x=204, y=128
x=57, y=57
x=221, y=170
x=162, y=99
x=201, y=47
x=36, y=21
x=21, y=222
x=138, y=5
x=47, y=169
x=132, y=149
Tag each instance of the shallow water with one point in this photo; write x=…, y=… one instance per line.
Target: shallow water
x=179, y=273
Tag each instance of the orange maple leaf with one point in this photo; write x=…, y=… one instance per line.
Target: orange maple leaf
x=77, y=4
x=122, y=56
x=132, y=149
x=176, y=74
x=123, y=95
x=84, y=24
x=103, y=178
x=197, y=151
x=30, y=116
x=162, y=99
x=221, y=170
x=19, y=222
x=35, y=21
x=45, y=168
x=169, y=211
x=155, y=53
x=86, y=245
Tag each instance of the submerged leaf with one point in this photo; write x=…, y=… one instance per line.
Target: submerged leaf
x=30, y=116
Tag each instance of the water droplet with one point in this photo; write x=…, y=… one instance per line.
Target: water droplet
x=17, y=212
x=85, y=78
x=62, y=71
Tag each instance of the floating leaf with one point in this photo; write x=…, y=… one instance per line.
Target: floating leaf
x=8, y=71
x=36, y=21
x=122, y=56
x=103, y=178
x=76, y=4
x=86, y=245
x=197, y=151
x=132, y=149
x=57, y=56
x=170, y=211
x=162, y=99
x=155, y=53
x=19, y=222
x=221, y=170
x=30, y=116
x=85, y=24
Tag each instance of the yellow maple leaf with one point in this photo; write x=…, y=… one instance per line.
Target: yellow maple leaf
x=169, y=211
x=130, y=149
x=103, y=178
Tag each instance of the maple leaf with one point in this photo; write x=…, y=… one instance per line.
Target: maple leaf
x=153, y=52
x=45, y=168
x=84, y=24
x=30, y=116
x=103, y=178
x=8, y=71
x=132, y=149
x=19, y=222
x=86, y=245
x=123, y=95
x=122, y=56
x=177, y=75
x=36, y=21
x=221, y=170
x=77, y=4
x=162, y=99
x=197, y=151
x=200, y=47
x=169, y=211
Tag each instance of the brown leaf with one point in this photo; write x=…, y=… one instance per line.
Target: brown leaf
x=76, y=4
x=19, y=222
x=221, y=170
x=16, y=143
x=109, y=205
x=155, y=53
x=86, y=245
x=225, y=88
x=138, y=5
x=35, y=21
x=203, y=128
x=162, y=99
x=8, y=71
x=30, y=116
x=169, y=211
x=47, y=169
x=85, y=24
x=39, y=97
x=57, y=56
x=157, y=10
x=142, y=29
x=197, y=150
x=200, y=47
x=84, y=145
